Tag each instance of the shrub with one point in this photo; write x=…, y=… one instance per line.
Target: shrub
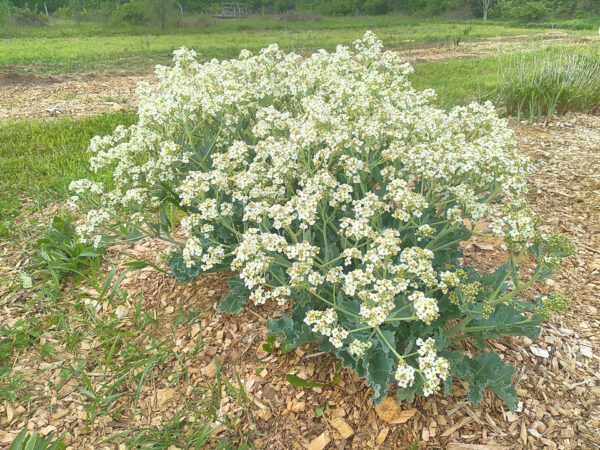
x=334, y=189
x=551, y=81
x=4, y=11
x=133, y=13
x=291, y=15
x=29, y=17
x=529, y=11
x=64, y=12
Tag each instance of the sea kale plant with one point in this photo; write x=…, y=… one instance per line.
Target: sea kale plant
x=332, y=188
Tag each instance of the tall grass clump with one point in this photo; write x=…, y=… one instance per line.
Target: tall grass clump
x=550, y=82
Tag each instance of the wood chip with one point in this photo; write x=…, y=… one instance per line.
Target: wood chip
x=459, y=446
x=320, y=442
x=342, y=427
x=390, y=412
x=586, y=351
x=382, y=435
x=405, y=416
x=539, y=352
x=163, y=396
x=461, y=423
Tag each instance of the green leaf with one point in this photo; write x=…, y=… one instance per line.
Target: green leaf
x=380, y=370
x=232, y=304
x=506, y=319
x=292, y=327
x=180, y=271
x=19, y=440
x=301, y=382
x=407, y=394
x=235, y=301
x=485, y=370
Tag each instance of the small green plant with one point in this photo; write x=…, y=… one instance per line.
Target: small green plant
x=195, y=424
x=275, y=348
x=296, y=381
x=26, y=441
x=550, y=82
x=61, y=254
x=22, y=334
x=414, y=445
x=12, y=385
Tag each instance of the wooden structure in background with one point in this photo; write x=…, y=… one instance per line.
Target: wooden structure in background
x=233, y=10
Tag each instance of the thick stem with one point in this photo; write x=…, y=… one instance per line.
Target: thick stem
x=382, y=336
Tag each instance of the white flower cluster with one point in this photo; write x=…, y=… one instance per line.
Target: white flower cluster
x=405, y=374
x=309, y=173
x=325, y=323
x=433, y=368
x=358, y=348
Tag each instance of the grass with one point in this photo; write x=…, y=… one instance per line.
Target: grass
x=67, y=49
x=551, y=81
x=39, y=159
x=543, y=81
x=458, y=81
x=125, y=364
x=112, y=365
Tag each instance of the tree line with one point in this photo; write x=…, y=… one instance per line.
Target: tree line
x=136, y=11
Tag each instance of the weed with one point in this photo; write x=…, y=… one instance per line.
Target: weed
x=22, y=334
x=413, y=446
x=201, y=421
x=61, y=254
x=12, y=385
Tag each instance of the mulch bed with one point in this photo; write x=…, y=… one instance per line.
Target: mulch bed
x=558, y=374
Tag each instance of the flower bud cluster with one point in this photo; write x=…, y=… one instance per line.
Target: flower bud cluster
x=554, y=303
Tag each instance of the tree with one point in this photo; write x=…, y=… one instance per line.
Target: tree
x=161, y=9
x=486, y=6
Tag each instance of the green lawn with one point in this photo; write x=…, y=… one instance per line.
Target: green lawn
x=64, y=49
x=38, y=159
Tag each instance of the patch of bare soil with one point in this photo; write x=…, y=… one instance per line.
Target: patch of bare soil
x=454, y=48
x=558, y=376
x=13, y=78
x=28, y=96
x=46, y=97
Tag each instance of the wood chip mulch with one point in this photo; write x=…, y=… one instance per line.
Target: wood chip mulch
x=558, y=374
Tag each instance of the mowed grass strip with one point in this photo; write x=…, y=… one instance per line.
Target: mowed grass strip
x=224, y=39
x=39, y=159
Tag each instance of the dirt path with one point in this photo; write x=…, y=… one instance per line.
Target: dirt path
x=47, y=97
x=558, y=375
